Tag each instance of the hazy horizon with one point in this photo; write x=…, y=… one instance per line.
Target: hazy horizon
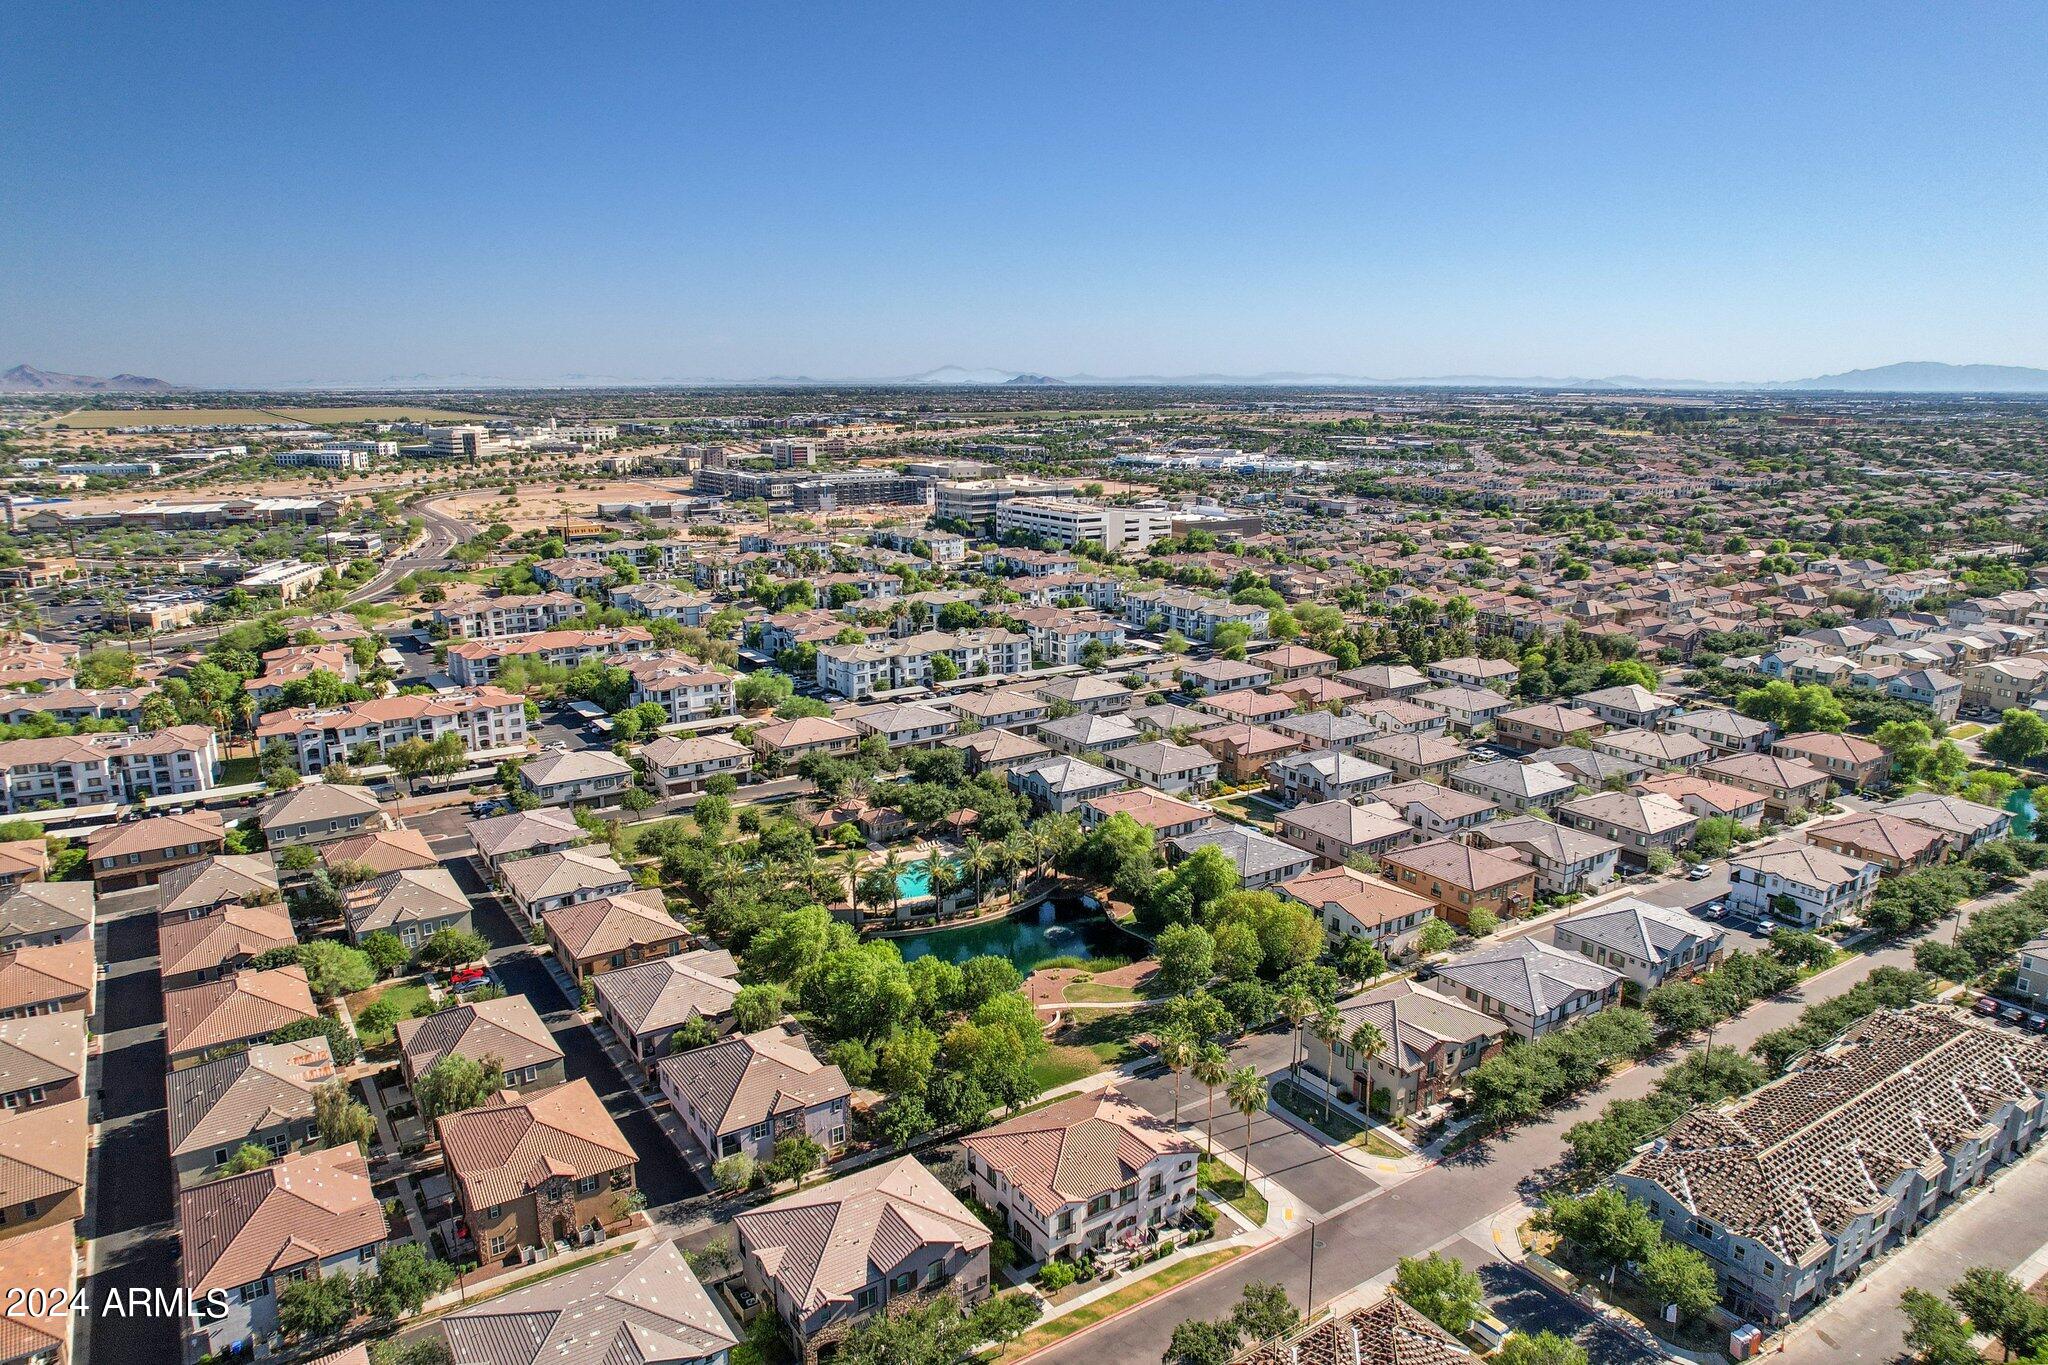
x=243, y=195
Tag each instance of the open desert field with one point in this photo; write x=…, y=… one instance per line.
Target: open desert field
x=91, y=419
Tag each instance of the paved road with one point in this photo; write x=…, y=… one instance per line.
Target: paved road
x=1452, y=1201
x=134, y=1193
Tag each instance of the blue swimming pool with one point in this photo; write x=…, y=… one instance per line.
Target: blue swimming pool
x=914, y=883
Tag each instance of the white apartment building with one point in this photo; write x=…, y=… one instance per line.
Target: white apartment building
x=87, y=770
x=321, y=457
x=474, y=662
x=856, y=671
x=1190, y=613
x=489, y=719
x=684, y=688
x=1071, y=521
x=493, y=618
x=976, y=501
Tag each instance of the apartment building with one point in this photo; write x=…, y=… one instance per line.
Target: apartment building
x=1533, y=988
x=1193, y=615
x=496, y=618
x=139, y=852
x=488, y=719
x=1567, y=861
x=1805, y=883
x=857, y=671
x=64, y=771
x=472, y=663
x=681, y=686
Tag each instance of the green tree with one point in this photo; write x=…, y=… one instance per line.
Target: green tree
x=1247, y=1092
x=1196, y=1342
x=756, y=1007
x=1187, y=957
x=1211, y=1068
x=246, y=1158
x=339, y=1117
x=386, y=953
x=2020, y=736
x=794, y=1158
x=406, y=1278
x=1680, y=1277
x=317, y=1307
x=1263, y=1313
x=1935, y=1332
x=446, y=948
x=734, y=1171
x=1998, y=1305
x=1544, y=1348
x=456, y=1083
x=334, y=968
x=1440, y=1288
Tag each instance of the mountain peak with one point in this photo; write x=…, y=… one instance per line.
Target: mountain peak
x=30, y=379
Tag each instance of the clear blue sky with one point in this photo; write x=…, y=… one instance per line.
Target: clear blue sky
x=231, y=193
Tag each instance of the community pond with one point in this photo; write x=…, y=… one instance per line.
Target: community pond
x=1050, y=929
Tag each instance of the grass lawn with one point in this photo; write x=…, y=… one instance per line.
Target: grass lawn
x=1136, y=1292
x=401, y=995
x=1109, y=1033
x=235, y=771
x=1307, y=1104
x=1967, y=730
x=1064, y=1065
x=1242, y=807
x=631, y=835
x=1090, y=992
x=1231, y=1188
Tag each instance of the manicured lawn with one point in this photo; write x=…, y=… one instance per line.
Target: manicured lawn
x=402, y=996
x=1227, y=1185
x=631, y=835
x=1241, y=806
x=1089, y=992
x=1064, y=1065
x=235, y=771
x=1088, y=1314
x=1109, y=1033
x=1307, y=1104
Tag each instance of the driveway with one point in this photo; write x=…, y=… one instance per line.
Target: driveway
x=133, y=1206
x=663, y=1174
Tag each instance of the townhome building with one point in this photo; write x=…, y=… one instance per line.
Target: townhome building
x=233, y=1012
x=1414, y=757
x=1894, y=843
x=818, y=1299
x=665, y=602
x=42, y=1060
x=1546, y=725
x=677, y=764
x=43, y=914
x=1461, y=878
x=1793, y=1190
x=1533, y=988
x=412, y=904
x=502, y=839
x=1437, y=812
x=1386, y=681
x=1649, y=944
x=1567, y=861
x=1261, y=861
x=1243, y=751
x=1654, y=750
x=1465, y=709
x=1515, y=786
x=488, y=720
x=581, y=777
x=1705, y=797
x=535, y=1169
x=261, y=1097
x=680, y=686
x=57, y=979
x=1355, y=904
x=569, y=876
x=1809, y=885
x=609, y=933
x=644, y=1305
x=1789, y=787
x=1191, y=614
x=1335, y=832
x=317, y=812
x=1854, y=764
x=745, y=1093
x=1164, y=765
x=1646, y=827
x=1969, y=825
x=1325, y=775
x=61, y=772
x=1630, y=706
x=1725, y=732
x=1062, y=784
x=1430, y=1041
x=508, y=1030
x=1081, y=1174
x=648, y=1003
x=1498, y=675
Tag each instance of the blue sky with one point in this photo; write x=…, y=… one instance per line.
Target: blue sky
x=269, y=193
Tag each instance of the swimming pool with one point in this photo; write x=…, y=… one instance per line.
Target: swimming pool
x=914, y=883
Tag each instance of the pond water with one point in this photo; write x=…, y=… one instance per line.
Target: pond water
x=1052, y=929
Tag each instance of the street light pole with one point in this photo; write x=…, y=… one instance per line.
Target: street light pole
x=1309, y=1311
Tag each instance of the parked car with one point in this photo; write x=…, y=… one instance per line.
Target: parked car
x=1700, y=872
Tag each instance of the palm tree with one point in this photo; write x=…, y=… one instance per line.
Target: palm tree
x=1296, y=1005
x=1328, y=1028
x=1177, y=1051
x=975, y=859
x=1247, y=1094
x=940, y=874
x=1211, y=1069
x=1368, y=1042
x=893, y=865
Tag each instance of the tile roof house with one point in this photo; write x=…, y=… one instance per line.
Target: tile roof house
x=46, y=980
x=263, y=1095
x=40, y=914
x=1164, y=765
x=317, y=811
x=1516, y=786
x=1324, y=775
x=42, y=1060
x=1654, y=750
x=548, y=881
x=646, y=1004
x=502, y=839
x=310, y=1213
x=1706, y=798
x=611, y=932
x=380, y=851
x=1567, y=861
x=42, y=1165
x=42, y=1267
x=1081, y=1174
x=1166, y=816
x=1892, y=842
x=1335, y=832
x=1806, y=883
x=1461, y=878
x=595, y=777
x=829, y=1256
x=1435, y=812
x=1387, y=1333
x=1788, y=786
x=1649, y=944
x=1413, y=757
x=1386, y=680
x=219, y=944
x=1260, y=859
x=23, y=861
x=232, y=1012
x=1429, y=1041
x=138, y=852
x=1630, y=705
x=644, y=1308
x=1466, y=708
x=1063, y=784
x=1854, y=764
x=747, y=1092
x=414, y=903
x=1724, y=731
x=1545, y=724
x=1642, y=824
x=679, y=764
x=1792, y=1190
x=508, y=1028
x=1969, y=824
x=202, y=887
x=1354, y=904
x=1532, y=987
x=536, y=1169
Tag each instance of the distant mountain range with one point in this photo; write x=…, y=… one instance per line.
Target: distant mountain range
x=1913, y=376
x=29, y=379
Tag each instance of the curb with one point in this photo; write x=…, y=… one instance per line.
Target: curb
x=1144, y=1303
